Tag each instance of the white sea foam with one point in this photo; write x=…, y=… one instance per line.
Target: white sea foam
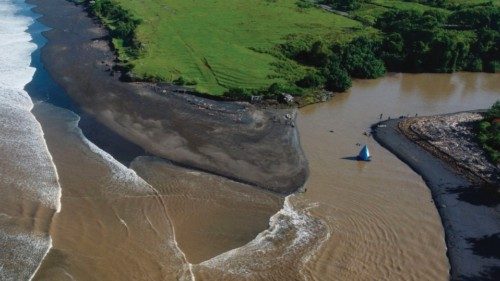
x=119, y=172
x=118, y=180
x=18, y=245
x=28, y=178
x=29, y=166
x=292, y=237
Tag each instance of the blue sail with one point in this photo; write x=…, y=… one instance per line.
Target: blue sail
x=364, y=154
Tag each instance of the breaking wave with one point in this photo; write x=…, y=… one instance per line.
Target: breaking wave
x=29, y=189
x=277, y=253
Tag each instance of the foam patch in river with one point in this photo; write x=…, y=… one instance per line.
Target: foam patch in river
x=278, y=253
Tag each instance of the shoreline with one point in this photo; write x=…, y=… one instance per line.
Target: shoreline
x=460, y=204
x=485, y=177
x=235, y=140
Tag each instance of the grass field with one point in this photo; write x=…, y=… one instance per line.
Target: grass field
x=224, y=44
x=216, y=45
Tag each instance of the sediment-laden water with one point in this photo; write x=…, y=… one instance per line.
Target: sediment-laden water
x=156, y=221
x=384, y=225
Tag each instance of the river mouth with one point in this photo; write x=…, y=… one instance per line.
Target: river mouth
x=226, y=216
x=158, y=221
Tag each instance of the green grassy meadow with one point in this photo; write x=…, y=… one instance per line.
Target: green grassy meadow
x=224, y=44
x=218, y=45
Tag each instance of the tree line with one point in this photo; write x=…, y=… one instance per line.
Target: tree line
x=466, y=39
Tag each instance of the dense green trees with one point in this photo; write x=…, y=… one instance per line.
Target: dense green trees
x=430, y=41
x=466, y=38
x=360, y=60
x=336, y=76
x=476, y=17
x=337, y=63
x=489, y=133
x=122, y=24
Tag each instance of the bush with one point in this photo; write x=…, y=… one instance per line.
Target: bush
x=121, y=23
x=277, y=89
x=360, y=60
x=315, y=54
x=489, y=133
x=337, y=78
x=237, y=94
x=304, y=4
x=343, y=5
x=311, y=80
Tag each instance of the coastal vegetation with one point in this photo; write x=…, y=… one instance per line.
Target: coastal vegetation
x=122, y=26
x=489, y=133
x=266, y=47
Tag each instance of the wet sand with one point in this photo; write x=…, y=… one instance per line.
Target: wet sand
x=234, y=140
x=469, y=213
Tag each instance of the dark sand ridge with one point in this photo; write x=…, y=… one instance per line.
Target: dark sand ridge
x=235, y=140
x=469, y=214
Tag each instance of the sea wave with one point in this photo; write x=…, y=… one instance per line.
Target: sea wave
x=277, y=253
x=29, y=188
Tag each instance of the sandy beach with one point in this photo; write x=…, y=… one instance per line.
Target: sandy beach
x=469, y=213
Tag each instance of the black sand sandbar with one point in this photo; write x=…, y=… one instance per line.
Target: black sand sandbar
x=235, y=140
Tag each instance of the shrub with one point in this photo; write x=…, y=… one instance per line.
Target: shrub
x=343, y=5
x=360, y=60
x=237, y=94
x=337, y=78
x=489, y=133
x=311, y=80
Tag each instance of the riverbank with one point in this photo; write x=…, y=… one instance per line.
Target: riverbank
x=452, y=138
x=470, y=214
x=232, y=139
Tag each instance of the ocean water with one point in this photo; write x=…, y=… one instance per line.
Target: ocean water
x=29, y=188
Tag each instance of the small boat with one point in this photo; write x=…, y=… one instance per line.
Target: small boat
x=364, y=154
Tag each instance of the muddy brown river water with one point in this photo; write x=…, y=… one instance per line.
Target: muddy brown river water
x=383, y=223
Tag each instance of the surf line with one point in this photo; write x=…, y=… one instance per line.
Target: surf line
x=58, y=202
